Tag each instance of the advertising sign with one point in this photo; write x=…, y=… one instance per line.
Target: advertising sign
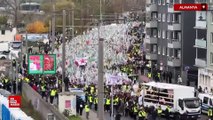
x=67, y=104
x=49, y=64
x=35, y=64
x=14, y=101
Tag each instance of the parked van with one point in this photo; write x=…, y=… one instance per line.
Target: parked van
x=207, y=101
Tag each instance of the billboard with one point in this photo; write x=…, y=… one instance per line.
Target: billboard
x=42, y=64
x=49, y=64
x=35, y=64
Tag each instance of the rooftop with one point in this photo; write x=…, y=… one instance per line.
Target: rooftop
x=166, y=85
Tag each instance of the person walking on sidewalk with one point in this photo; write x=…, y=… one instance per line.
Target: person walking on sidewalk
x=87, y=110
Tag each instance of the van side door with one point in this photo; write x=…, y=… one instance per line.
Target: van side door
x=205, y=104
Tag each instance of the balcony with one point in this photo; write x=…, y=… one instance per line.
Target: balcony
x=200, y=43
x=151, y=56
x=171, y=9
x=174, y=62
x=151, y=40
x=174, y=26
x=151, y=7
x=200, y=62
x=174, y=43
x=151, y=24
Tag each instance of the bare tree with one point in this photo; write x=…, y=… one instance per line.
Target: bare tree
x=12, y=9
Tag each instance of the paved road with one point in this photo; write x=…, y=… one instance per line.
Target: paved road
x=93, y=116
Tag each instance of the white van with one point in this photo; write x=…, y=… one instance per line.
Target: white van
x=207, y=101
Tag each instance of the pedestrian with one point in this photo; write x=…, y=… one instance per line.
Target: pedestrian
x=179, y=80
x=52, y=95
x=210, y=113
x=81, y=107
x=87, y=110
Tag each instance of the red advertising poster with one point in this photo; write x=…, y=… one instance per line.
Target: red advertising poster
x=67, y=104
x=14, y=101
x=49, y=64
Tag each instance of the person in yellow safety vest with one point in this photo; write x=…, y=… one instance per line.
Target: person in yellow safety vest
x=135, y=112
x=159, y=111
x=159, y=76
x=108, y=102
x=87, y=110
x=210, y=113
x=90, y=101
x=142, y=115
x=96, y=103
x=52, y=95
x=43, y=91
x=167, y=112
x=115, y=102
x=92, y=89
x=149, y=75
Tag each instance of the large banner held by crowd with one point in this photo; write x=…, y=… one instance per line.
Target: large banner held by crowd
x=116, y=79
x=42, y=64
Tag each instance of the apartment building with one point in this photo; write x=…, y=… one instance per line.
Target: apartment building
x=169, y=36
x=205, y=74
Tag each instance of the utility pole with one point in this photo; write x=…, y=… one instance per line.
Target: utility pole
x=63, y=50
x=100, y=70
x=26, y=43
x=73, y=23
x=53, y=28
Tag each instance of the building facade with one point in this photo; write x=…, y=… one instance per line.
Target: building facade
x=169, y=36
x=7, y=35
x=205, y=75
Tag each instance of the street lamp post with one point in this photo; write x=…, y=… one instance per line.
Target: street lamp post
x=63, y=50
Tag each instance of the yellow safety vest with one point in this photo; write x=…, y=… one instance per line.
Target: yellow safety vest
x=96, y=101
x=6, y=80
x=87, y=108
x=135, y=109
x=92, y=89
x=160, y=111
x=42, y=88
x=90, y=99
x=140, y=114
x=116, y=100
x=168, y=108
x=108, y=102
x=158, y=75
x=210, y=112
x=149, y=75
x=53, y=93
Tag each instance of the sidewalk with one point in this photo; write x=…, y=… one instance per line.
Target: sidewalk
x=92, y=116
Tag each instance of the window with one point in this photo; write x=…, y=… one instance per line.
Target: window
x=159, y=16
x=178, y=53
x=159, y=2
x=164, y=50
x=163, y=17
x=211, y=58
x=2, y=32
x=164, y=2
x=159, y=33
x=168, y=35
x=154, y=48
x=205, y=100
x=211, y=37
x=164, y=34
x=159, y=50
x=168, y=17
x=168, y=50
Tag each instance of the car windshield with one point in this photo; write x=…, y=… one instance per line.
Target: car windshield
x=192, y=103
